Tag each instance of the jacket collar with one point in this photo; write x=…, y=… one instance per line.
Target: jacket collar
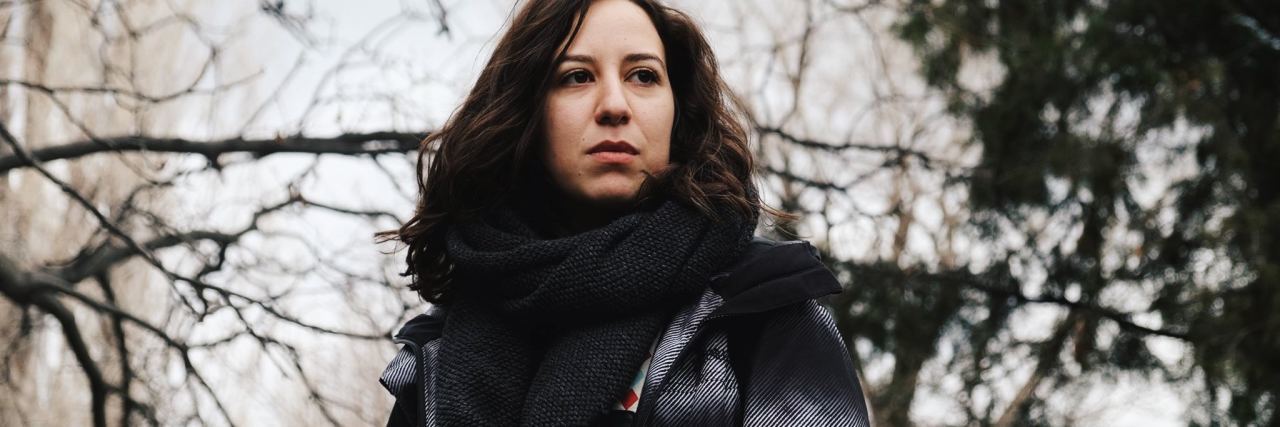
x=423, y=327
x=772, y=275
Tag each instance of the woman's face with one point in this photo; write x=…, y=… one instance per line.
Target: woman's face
x=610, y=112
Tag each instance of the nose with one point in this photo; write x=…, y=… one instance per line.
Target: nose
x=613, y=109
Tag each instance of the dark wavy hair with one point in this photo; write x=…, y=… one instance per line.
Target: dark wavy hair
x=486, y=154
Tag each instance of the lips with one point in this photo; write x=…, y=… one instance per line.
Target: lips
x=613, y=147
x=615, y=153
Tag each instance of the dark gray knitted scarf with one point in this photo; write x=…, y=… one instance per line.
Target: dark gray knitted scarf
x=552, y=332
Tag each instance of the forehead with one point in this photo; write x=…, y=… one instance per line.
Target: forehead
x=616, y=28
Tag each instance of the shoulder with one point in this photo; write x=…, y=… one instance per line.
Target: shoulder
x=414, y=338
x=406, y=374
x=422, y=328
x=772, y=274
x=789, y=352
x=761, y=243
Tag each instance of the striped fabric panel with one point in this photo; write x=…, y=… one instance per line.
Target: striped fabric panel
x=703, y=389
x=677, y=336
x=796, y=393
x=430, y=358
x=400, y=371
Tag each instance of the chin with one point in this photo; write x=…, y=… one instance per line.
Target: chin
x=611, y=194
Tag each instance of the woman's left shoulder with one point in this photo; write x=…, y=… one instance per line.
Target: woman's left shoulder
x=786, y=349
x=771, y=274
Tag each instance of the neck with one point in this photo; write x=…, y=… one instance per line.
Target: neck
x=553, y=215
x=574, y=217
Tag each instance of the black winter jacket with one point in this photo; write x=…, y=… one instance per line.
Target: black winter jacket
x=755, y=349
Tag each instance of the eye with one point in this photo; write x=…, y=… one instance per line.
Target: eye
x=576, y=77
x=645, y=76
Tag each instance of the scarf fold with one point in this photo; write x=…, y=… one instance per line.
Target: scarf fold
x=550, y=332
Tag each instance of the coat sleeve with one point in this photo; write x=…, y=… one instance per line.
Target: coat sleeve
x=800, y=372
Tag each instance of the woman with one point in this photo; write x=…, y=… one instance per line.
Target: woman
x=585, y=236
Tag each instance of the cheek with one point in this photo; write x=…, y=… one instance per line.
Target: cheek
x=560, y=136
x=657, y=129
x=659, y=157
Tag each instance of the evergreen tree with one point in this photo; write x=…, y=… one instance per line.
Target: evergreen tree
x=1149, y=134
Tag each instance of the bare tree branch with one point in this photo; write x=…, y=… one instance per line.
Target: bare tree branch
x=23, y=292
x=1008, y=288
x=139, y=96
x=345, y=144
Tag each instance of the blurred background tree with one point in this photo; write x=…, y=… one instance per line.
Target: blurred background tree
x=1132, y=150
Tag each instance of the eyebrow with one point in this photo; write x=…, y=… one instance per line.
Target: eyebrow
x=633, y=57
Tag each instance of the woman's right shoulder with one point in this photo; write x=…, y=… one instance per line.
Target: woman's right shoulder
x=416, y=339
x=423, y=328
x=405, y=376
